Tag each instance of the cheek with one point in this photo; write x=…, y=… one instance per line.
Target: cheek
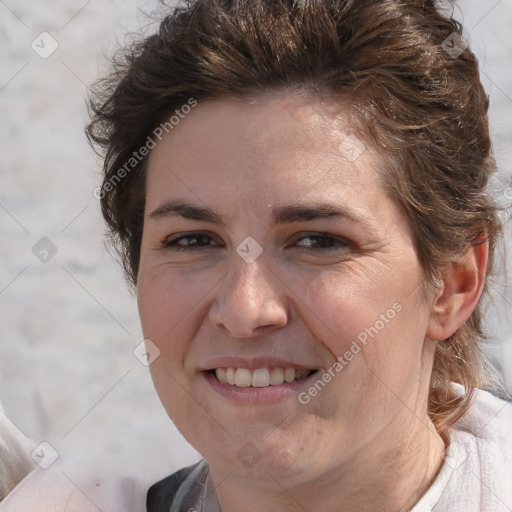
x=161, y=307
x=373, y=324
x=170, y=312
x=344, y=307
x=167, y=300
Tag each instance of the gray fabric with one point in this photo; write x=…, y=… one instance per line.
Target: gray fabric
x=190, y=494
x=188, y=490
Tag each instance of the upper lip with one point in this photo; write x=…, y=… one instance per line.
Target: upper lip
x=254, y=363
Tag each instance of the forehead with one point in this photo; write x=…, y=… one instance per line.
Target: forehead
x=278, y=143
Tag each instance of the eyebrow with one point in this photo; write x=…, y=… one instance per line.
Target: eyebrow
x=281, y=215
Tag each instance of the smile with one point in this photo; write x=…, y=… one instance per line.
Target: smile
x=259, y=378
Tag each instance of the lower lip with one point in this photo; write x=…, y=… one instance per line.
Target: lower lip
x=252, y=395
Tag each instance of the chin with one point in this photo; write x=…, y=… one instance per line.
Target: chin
x=283, y=455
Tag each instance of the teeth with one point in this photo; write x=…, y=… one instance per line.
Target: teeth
x=276, y=377
x=243, y=378
x=260, y=378
x=222, y=375
x=289, y=375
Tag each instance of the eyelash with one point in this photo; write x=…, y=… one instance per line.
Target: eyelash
x=173, y=243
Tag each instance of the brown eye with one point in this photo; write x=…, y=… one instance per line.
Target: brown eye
x=321, y=242
x=188, y=241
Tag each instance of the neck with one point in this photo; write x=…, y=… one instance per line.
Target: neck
x=391, y=480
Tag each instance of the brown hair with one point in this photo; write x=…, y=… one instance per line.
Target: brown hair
x=421, y=108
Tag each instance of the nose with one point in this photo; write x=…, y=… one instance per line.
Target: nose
x=250, y=301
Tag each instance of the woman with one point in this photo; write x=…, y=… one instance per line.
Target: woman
x=297, y=190
x=310, y=237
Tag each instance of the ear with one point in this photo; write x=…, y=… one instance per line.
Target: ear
x=459, y=292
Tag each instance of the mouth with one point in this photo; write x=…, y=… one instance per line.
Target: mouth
x=259, y=378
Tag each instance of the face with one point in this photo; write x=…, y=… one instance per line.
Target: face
x=272, y=258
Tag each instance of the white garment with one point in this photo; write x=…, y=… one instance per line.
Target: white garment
x=56, y=490
x=476, y=475
x=15, y=462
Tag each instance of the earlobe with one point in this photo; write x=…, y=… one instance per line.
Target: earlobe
x=459, y=292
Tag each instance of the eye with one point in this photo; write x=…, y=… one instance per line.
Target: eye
x=321, y=242
x=188, y=241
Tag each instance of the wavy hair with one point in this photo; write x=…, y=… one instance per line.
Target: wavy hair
x=420, y=106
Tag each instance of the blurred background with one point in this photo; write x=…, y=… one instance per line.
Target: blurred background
x=69, y=326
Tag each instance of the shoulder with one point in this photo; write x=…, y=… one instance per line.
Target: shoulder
x=484, y=434
x=15, y=462
x=477, y=467
x=60, y=490
x=488, y=418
